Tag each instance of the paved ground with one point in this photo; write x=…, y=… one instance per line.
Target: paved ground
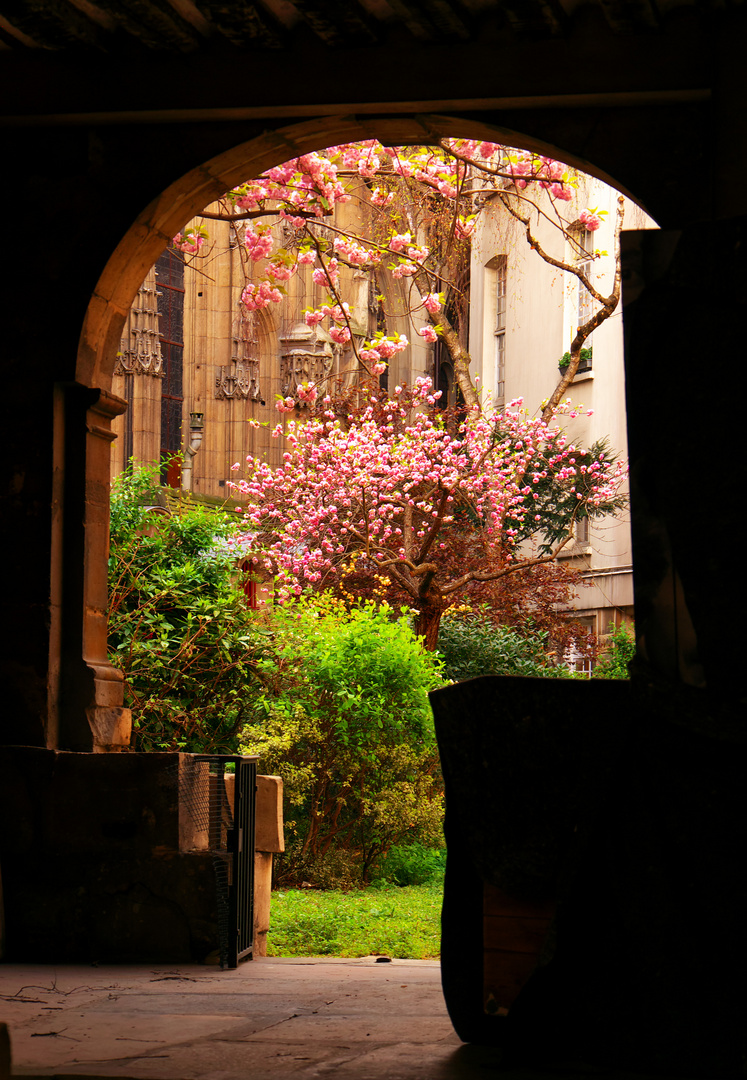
x=303, y=1019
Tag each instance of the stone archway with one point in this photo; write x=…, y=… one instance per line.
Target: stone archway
x=94, y=687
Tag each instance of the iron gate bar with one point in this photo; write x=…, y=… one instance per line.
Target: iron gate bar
x=241, y=896
x=233, y=853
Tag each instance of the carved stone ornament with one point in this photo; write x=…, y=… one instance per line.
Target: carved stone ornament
x=140, y=347
x=305, y=356
x=240, y=378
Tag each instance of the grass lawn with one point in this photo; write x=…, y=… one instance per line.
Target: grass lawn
x=389, y=920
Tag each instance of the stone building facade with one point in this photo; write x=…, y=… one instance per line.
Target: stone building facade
x=524, y=314
x=195, y=367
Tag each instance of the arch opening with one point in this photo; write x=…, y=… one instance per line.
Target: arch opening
x=306, y=137
x=183, y=200
x=164, y=217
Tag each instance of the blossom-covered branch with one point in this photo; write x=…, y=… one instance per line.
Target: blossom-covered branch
x=396, y=487
x=423, y=204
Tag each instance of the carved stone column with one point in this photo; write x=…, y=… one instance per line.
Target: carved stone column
x=110, y=723
x=87, y=702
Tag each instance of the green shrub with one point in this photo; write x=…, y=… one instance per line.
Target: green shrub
x=411, y=864
x=343, y=717
x=472, y=645
x=179, y=628
x=614, y=663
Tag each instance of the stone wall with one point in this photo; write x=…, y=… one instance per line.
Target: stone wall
x=100, y=861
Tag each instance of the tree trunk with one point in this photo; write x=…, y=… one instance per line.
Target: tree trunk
x=460, y=358
x=428, y=622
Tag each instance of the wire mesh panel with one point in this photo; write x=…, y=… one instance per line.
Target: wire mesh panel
x=218, y=794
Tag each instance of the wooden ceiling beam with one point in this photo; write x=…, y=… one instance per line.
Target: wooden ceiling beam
x=449, y=17
x=630, y=16
x=154, y=23
x=412, y=16
x=245, y=25
x=338, y=22
x=535, y=18
x=52, y=24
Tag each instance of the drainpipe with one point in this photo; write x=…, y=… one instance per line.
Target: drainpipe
x=196, y=424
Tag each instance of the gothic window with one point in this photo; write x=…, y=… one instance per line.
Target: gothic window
x=456, y=311
x=170, y=282
x=499, y=331
x=583, y=253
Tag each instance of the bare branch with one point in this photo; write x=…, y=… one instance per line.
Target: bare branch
x=495, y=575
x=585, y=331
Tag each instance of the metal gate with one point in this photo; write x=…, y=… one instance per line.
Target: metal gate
x=232, y=784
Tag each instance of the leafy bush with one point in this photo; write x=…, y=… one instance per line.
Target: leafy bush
x=179, y=628
x=472, y=645
x=614, y=663
x=343, y=717
x=411, y=864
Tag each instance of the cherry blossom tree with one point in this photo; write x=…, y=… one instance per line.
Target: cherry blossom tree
x=396, y=486
x=421, y=205
x=435, y=509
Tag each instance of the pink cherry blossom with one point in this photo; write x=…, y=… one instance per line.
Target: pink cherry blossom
x=307, y=392
x=428, y=333
x=380, y=489
x=258, y=296
x=280, y=271
x=560, y=191
x=400, y=241
x=381, y=197
x=188, y=242
x=306, y=190
x=258, y=244
x=340, y=334
x=590, y=219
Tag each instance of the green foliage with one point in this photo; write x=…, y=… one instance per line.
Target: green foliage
x=614, y=663
x=585, y=354
x=179, y=628
x=411, y=864
x=343, y=717
x=404, y=923
x=558, y=502
x=471, y=645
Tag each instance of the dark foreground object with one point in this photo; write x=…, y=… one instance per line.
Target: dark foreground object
x=621, y=807
x=114, y=858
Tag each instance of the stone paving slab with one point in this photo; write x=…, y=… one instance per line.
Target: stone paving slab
x=326, y=1019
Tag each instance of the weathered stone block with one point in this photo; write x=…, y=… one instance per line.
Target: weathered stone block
x=97, y=866
x=269, y=814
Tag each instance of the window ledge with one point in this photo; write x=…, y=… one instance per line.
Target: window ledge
x=575, y=551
